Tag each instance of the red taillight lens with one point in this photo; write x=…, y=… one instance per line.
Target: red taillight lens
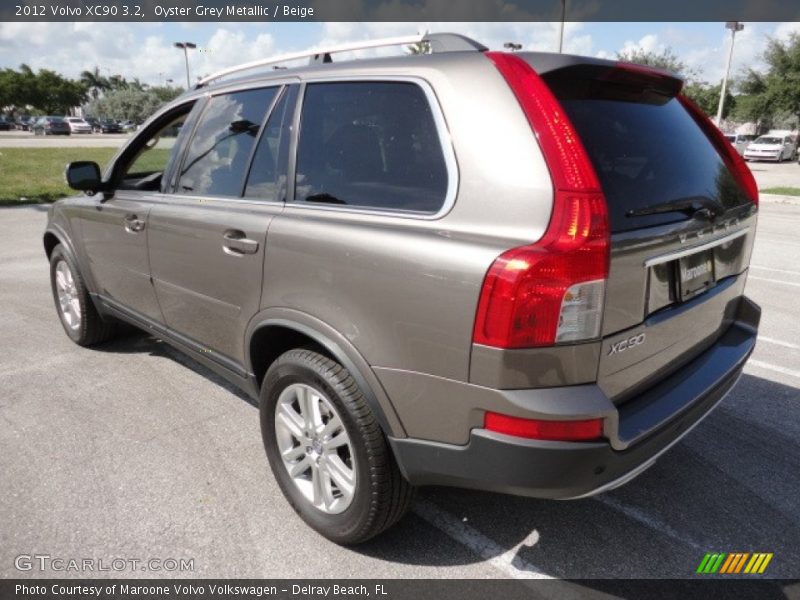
x=551, y=291
x=537, y=429
x=735, y=163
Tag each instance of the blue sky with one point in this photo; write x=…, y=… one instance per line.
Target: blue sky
x=144, y=50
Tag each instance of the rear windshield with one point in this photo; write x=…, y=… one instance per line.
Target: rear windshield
x=646, y=149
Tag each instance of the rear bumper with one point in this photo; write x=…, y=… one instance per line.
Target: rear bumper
x=654, y=421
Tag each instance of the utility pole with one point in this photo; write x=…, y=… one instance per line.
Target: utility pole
x=186, y=46
x=561, y=30
x=734, y=26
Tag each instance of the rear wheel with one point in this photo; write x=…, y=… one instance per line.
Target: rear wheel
x=78, y=315
x=327, y=451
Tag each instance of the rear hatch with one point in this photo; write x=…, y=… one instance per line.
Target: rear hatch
x=682, y=224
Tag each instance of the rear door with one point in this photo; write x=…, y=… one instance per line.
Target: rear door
x=682, y=226
x=206, y=237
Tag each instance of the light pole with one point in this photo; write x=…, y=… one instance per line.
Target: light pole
x=734, y=26
x=561, y=30
x=185, y=46
x=513, y=46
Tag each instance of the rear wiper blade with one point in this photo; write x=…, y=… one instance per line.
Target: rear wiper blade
x=697, y=206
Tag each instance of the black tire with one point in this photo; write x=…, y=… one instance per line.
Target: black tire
x=382, y=495
x=92, y=328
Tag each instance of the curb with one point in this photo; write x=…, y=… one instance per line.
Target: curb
x=779, y=199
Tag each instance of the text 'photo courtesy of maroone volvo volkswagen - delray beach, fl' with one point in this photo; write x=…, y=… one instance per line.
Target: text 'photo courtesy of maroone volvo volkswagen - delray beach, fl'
x=462, y=267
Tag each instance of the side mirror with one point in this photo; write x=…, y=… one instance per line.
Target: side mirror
x=84, y=176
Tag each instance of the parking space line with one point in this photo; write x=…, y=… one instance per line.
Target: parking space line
x=642, y=517
x=792, y=283
x=775, y=270
x=769, y=340
x=505, y=560
x=770, y=367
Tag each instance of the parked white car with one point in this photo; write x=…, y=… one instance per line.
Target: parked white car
x=740, y=141
x=78, y=125
x=771, y=147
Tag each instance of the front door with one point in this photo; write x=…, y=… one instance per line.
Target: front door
x=207, y=239
x=115, y=241
x=115, y=230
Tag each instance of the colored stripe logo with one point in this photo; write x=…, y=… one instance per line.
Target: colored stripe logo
x=734, y=562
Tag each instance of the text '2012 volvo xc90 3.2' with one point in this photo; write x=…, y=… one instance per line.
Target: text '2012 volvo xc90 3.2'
x=463, y=268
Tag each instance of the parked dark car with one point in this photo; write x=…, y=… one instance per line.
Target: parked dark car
x=5, y=125
x=51, y=126
x=94, y=123
x=465, y=268
x=109, y=126
x=24, y=122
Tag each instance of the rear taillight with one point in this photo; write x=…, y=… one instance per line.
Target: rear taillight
x=735, y=163
x=538, y=429
x=551, y=291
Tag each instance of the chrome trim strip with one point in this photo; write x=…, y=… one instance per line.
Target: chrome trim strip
x=657, y=260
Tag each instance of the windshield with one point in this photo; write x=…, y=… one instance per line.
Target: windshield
x=768, y=140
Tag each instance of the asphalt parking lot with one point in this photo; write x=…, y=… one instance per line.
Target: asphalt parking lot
x=132, y=450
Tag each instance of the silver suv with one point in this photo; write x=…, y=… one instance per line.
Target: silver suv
x=514, y=272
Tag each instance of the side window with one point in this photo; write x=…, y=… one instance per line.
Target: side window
x=218, y=154
x=370, y=144
x=151, y=152
x=267, y=178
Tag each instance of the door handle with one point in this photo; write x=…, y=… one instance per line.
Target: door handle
x=133, y=224
x=235, y=243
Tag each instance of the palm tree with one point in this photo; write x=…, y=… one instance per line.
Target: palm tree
x=94, y=82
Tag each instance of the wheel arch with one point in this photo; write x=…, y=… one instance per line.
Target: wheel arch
x=276, y=331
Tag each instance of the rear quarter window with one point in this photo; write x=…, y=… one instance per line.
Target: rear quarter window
x=370, y=145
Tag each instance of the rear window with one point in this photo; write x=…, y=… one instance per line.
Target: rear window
x=646, y=149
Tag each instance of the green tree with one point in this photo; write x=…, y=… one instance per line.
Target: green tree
x=777, y=90
x=706, y=96
x=665, y=59
x=55, y=94
x=129, y=103
x=94, y=82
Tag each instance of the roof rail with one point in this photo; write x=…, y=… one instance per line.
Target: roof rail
x=438, y=42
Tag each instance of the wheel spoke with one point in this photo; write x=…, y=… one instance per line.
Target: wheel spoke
x=61, y=281
x=341, y=475
x=326, y=486
x=293, y=453
x=316, y=486
x=338, y=440
x=301, y=466
x=331, y=427
x=304, y=401
x=292, y=421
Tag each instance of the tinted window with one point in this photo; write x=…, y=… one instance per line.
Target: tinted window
x=218, y=154
x=268, y=171
x=370, y=145
x=646, y=149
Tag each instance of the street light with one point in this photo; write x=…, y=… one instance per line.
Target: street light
x=513, y=46
x=185, y=46
x=561, y=30
x=734, y=26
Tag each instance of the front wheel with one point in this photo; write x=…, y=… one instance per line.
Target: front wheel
x=327, y=451
x=78, y=315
